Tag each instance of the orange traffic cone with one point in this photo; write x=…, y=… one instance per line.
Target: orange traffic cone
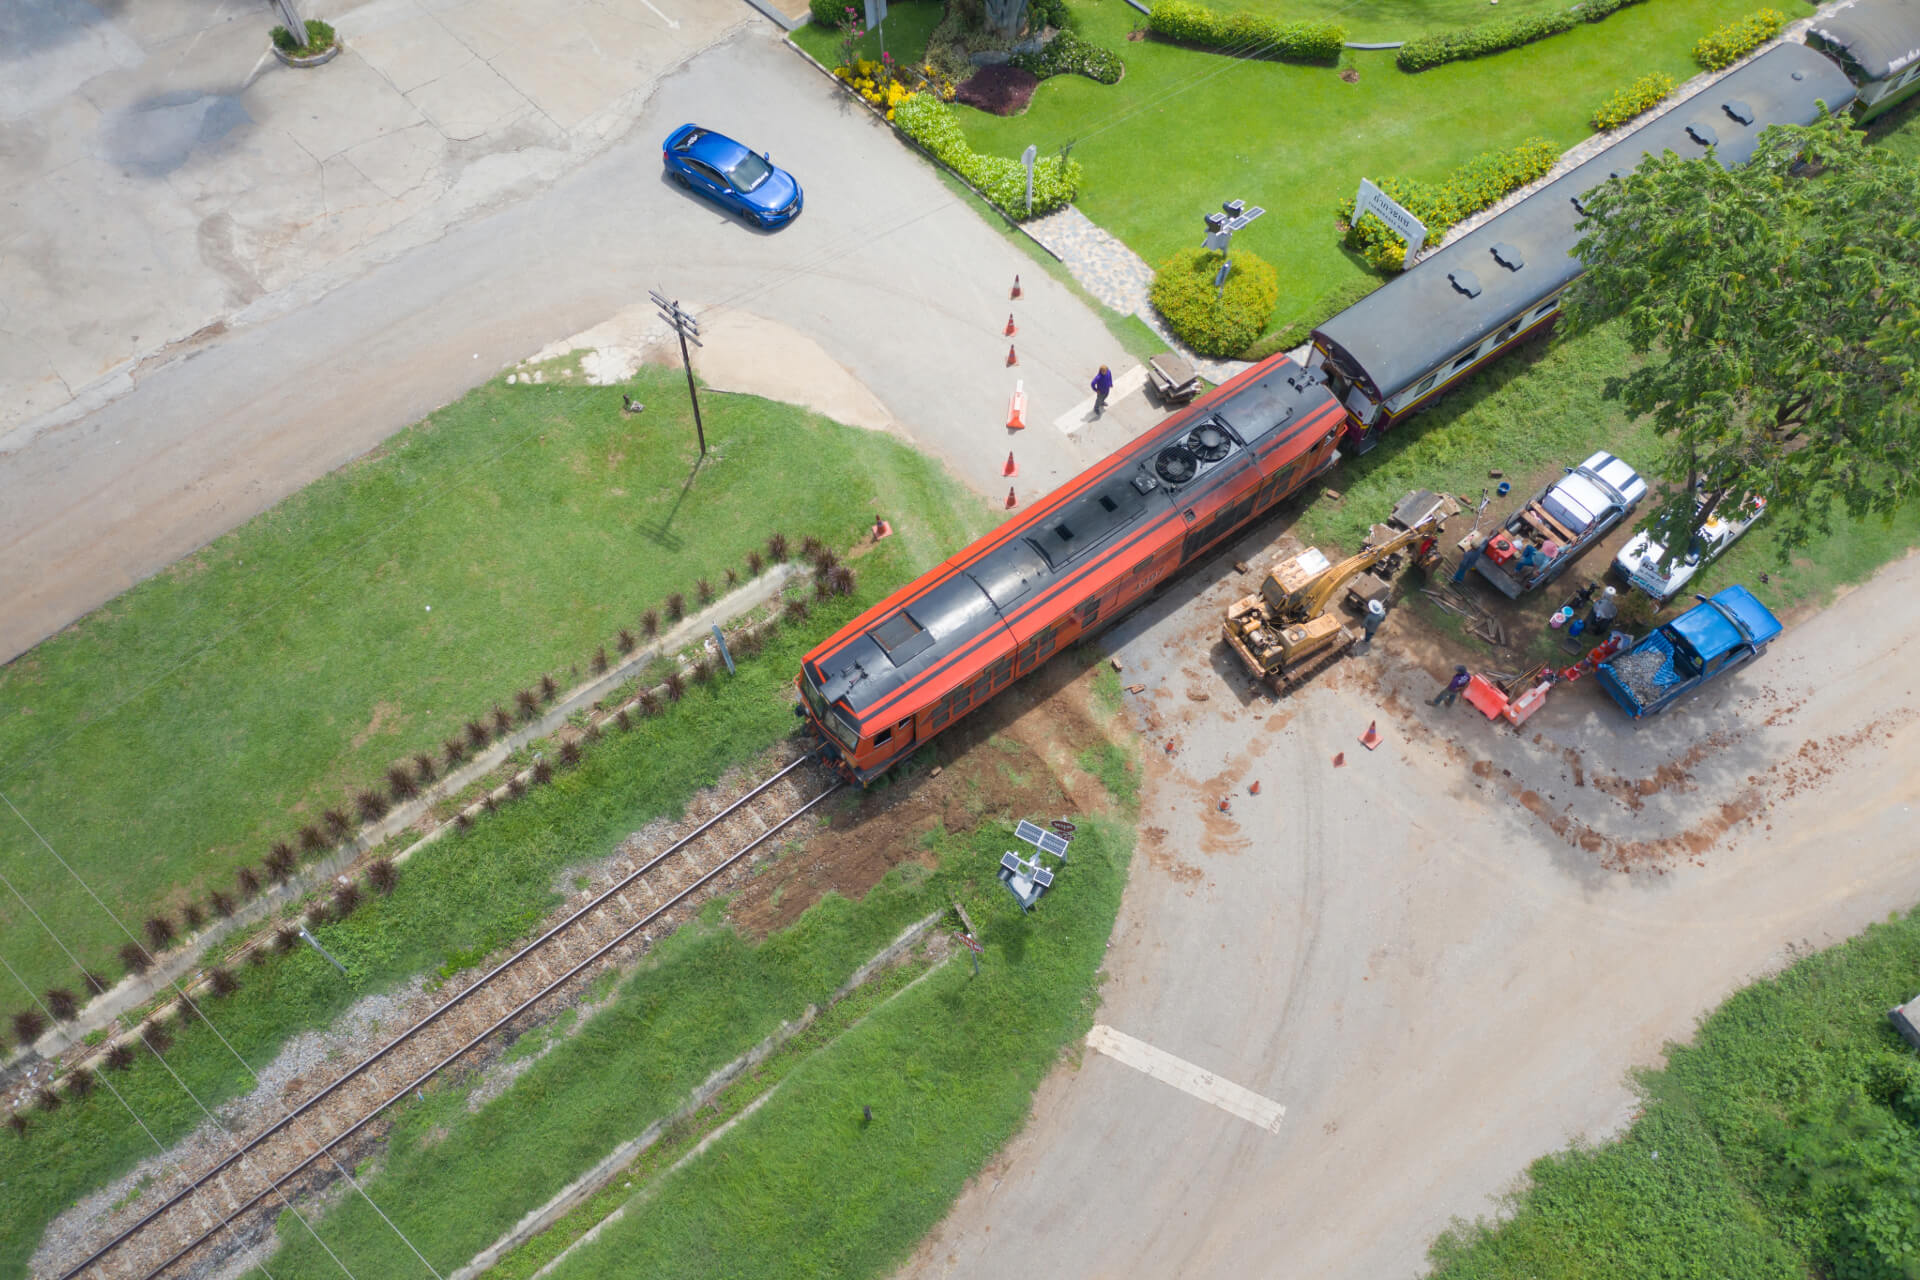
x=1012, y=358
x=1371, y=738
x=1254, y=790
x=1012, y=501
x=1224, y=806
x=1011, y=327
x=1339, y=759
x=1169, y=746
x=1012, y=468
x=1017, y=407
x=1016, y=286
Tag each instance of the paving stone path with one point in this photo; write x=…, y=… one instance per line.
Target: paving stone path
x=1117, y=276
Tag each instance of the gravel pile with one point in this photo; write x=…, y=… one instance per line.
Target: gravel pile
x=1640, y=672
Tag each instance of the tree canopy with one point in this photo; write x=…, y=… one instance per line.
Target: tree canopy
x=1779, y=307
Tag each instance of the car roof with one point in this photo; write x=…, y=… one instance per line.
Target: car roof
x=1710, y=629
x=1424, y=317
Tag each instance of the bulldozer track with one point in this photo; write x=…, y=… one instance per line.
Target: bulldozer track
x=200, y=1218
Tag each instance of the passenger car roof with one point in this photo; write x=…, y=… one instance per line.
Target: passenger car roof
x=1880, y=37
x=1423, y=318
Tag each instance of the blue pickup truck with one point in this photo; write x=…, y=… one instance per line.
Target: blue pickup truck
x=1729, y=630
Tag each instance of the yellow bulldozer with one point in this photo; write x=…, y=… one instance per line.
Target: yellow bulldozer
x=1287, y=631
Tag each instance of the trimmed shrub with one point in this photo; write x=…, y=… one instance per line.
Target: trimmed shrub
x=221, y=903
x=1624, y=104
x=1422, y=52
x=372, y=805
x=549, y=689
x=285, y=939
x=192, y=916
x=650, y=623
x=1330, y=304
x=222, y=981
x=840, y=580
x=95, y=983
x=423, y=770
x=676, y=606
x=27, y=1026
x=675, y=685
x=1738, y=38
x=796, y=611
x=311, y=841
x=337, y=823
x=1256, y=33
x=830, y=13
x=1067, y=54
x=156, y=1037
x=1215, y=323
x=649, y=703
x=400, y=781
x=569, y=754
x=79, y=1083
x=454, y=750
x=248, y=880
x=703, y=671
x=624, y=719
x=159, y=930
x=346, y=899
x=134, y=958
x=279, y=863
x=17, y=1123
x=383, y=875
x=1003, y=181
x=502, y=722
x=704, y=590
x=46, y=1099
x=777, y=547
x=755, y=563
x=62, y=1004
x=318, y=914
x=527, y=703
x=1473, y=186
x=119, y=1057
x=542, y=773
x=599, y=663
x=626, y=643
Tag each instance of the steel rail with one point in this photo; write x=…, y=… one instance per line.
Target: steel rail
x=377, y=1055
x=499, y=1022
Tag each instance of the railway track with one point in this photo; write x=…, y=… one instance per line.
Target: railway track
x=302, y=1146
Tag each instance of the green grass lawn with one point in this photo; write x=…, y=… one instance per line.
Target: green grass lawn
x=1372, y=21
x=170, y=737
x=457, y=900
x=1778, y=1144
x=905, y=31
x=803, y=1186
x=1186, y=129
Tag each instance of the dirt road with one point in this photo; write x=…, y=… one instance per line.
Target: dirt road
x=1443, y=957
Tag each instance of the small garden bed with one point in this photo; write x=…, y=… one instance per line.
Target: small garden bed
x=320, y=46
x=1003, y=90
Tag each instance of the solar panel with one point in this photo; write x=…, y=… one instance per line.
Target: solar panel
x=1042, y=839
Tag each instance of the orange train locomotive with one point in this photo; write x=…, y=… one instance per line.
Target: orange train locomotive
x=945, y=643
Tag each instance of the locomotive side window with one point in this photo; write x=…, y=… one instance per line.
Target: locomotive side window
x=1038, y=649
x=1466, y=360
x=883, y=737
x=1506, y=334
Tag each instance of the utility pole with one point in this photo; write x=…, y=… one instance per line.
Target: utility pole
x=687, y=327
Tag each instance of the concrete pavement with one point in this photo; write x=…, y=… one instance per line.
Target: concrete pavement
x=895, y=279
x=1424, y=956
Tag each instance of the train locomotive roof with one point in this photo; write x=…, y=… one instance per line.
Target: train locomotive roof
x=1449, y=302
x=922, y=626
x=1880, y=37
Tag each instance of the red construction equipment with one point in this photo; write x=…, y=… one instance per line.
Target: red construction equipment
x=1012, y=501
x=1371, y=738
x=1012, y=468
x=1017, y=407
x=1016, y=286
x=1011, y=327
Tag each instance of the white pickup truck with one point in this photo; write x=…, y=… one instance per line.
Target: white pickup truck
x=1568, y=517
x=1639, y=561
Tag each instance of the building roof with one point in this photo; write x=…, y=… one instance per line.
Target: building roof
x=1880, y=37
x=1451, y=301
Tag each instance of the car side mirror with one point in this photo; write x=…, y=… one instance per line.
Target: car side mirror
x=767, y=156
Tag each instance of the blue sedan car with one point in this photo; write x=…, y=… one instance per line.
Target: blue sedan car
x=735, y=178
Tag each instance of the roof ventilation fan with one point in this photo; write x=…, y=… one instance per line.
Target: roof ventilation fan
x=1176, y=465
x=1210, y=443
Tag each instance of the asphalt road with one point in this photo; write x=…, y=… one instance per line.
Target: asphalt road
x=1404, y=953
x=886, y=270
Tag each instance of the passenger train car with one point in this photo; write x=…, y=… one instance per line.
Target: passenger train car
x=1391, y=354
x=1877, y=43
x=942, y=645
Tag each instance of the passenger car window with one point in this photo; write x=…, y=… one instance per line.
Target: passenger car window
x=706, y=172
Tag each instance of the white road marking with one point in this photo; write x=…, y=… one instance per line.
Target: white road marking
x=1124, y=385
x=1184, y=1076
x=663, y=17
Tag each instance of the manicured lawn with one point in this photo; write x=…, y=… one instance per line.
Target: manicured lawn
x=1377, y=20
x=169, y=738
x=1186, y=129
x=905, y=31
x=804, y=1187
x=1778, y=1144
x=456, y=901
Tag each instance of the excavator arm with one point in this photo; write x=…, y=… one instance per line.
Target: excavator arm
x=1312, y=600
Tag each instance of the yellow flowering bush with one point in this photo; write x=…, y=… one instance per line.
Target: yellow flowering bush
x=874, y=81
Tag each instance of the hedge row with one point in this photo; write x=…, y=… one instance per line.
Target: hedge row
x=1422, y=52
x=1248, y=33
x=1472, y=187
x=1330, y=304
x=1738, y=38
x=1642, y=95
x=1067, y=52
x=1215, y=322
x=1002, y=181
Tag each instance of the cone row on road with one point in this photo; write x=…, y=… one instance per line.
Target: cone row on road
x=1013, y=357
x=1016, y=287
x=1012, y=328
x=1012, y=501
x=1017, y=407
x=1012, y=468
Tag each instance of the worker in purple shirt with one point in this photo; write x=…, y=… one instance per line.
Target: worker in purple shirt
x=1102, y=384
x=1455, y=687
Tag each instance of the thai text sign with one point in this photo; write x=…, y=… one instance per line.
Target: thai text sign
x=1381, y=205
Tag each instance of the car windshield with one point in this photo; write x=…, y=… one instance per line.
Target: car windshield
x=748, y=172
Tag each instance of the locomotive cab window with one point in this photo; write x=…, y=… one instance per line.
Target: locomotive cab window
x=1426, y=384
